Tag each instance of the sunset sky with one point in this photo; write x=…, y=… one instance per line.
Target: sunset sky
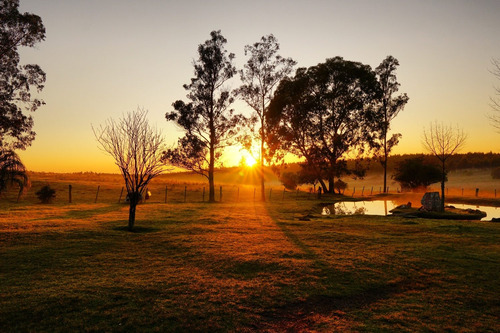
x=107, y=57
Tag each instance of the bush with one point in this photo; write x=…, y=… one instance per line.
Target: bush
x=46, y=194
x=340, y=186
x=289, y=180
x=414, y=173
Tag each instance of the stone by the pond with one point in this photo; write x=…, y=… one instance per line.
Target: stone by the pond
x=431, y=201
x=325, y=211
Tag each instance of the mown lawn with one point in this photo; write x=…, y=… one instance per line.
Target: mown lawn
x=243, y=266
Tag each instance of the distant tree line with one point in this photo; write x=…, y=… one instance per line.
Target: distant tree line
x=456, y=162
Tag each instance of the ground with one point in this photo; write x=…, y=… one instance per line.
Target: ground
x=237, y=265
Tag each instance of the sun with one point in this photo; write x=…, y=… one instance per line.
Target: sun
x=250, y=161
x=247, y=159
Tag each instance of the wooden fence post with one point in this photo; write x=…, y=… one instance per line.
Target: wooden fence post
x=362, y=191
x=354, y=191
x=166, y=193
x=69, y=193
x=283, y=197
x=121, y=193
x=220, y=195
x=97, y=194
x=203, y=193
x=185, y=192
x=371, y=192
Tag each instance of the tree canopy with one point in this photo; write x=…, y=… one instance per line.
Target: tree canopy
x=323, y=113
x=207, y=119
x=263, y=71
x=17, y=82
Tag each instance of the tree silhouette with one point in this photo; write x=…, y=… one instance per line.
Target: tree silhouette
x=12, y=171
x=495, y=101
x=207, y=119
x=443, y=141
x=17, y=82
x=263, y=71
x=321, y=114
x=386, y=110
x=137, y=150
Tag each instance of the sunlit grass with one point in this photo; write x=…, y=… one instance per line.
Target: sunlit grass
x=239, y=265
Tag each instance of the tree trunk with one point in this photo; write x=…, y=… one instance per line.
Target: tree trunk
x=323, y=185
x=443, y=179
x=211, y=184
x=262, y=186
x=134, y=199
x=331, y=185
x=384, y=164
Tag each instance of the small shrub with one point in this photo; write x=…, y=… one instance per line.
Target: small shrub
x=340, y=186
x=46, y=194
x=289, y=180
x=415, y=173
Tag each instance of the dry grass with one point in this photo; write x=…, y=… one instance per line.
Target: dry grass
x=238, y=265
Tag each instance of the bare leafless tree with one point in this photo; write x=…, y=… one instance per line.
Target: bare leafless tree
x=495, y=101
x=443, y=141
x=137, y=150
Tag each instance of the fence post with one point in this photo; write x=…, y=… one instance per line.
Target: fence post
x=462, y=192
x=119, y=199
x=185, y=192
x=97, y=194
x=371, y=192
x=69, y=192
x=283, y=197
x=477, y=192
x=362, y=191
x=354, y=191
x=203, y=193
x=166, y=193
x=220, y=195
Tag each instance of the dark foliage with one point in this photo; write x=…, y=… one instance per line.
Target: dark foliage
x=261, y=74
x=322, y=114
x=12, y=171
x=386, y=109
x=415, y=173
x=17, y=82
x=208, y=121
x=46, y=194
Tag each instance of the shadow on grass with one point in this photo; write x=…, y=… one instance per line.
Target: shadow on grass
x=88, y=213
x=137, y=230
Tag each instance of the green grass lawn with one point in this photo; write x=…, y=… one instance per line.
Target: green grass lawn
x=238, y=265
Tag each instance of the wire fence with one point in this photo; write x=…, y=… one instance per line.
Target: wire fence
x=193, y=193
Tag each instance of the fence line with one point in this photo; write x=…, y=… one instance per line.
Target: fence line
x=234, y=193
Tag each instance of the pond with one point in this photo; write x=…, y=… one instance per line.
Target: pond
x=383, y=207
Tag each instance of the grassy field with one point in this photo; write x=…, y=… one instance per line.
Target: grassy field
x=237, y=265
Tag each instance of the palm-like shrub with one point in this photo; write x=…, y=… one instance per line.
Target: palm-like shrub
x=46, y=194
x=12, y=171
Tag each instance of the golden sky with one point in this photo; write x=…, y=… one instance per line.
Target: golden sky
x=107, y=57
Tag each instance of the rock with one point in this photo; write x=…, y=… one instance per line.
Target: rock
x=325, y=211
x=431, y=201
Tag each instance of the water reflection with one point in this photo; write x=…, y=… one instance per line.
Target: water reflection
x=383, y=207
